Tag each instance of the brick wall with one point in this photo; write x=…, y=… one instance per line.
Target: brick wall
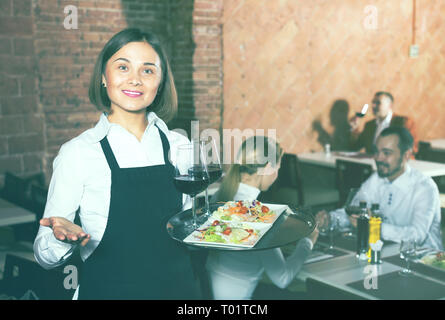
x=301, y=67
x=21, y=118
x=197, y=61
x=50, y=105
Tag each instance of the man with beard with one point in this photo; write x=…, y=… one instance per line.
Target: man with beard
x=409, y=200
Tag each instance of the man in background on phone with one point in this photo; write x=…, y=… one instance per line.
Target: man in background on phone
x=408, y=199
x=382, y=107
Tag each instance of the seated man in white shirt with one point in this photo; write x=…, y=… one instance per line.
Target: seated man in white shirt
x=409, y=200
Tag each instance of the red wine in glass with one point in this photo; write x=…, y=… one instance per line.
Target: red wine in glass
x=191, y=176
x=215, y=172
x=191, y=184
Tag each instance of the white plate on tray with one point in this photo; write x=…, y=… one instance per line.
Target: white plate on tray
x=230, y=240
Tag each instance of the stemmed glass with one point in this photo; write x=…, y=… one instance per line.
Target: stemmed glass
x=328, y=228
x=333, y=227
x=350, y=208
x=407, y=253
x=191, y=175
x=213, y=167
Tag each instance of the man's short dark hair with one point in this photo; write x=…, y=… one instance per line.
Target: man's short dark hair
x=384, y=93
x=406, y=140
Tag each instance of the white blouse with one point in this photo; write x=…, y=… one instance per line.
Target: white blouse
x=81, y=181
x=235, y=275
x=410, y=206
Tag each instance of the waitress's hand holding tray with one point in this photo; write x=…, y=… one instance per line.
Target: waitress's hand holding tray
x=66, y=231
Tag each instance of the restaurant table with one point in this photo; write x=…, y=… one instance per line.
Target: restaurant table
x=432, y=169
x=437, y=144
x=290, y=226
x=11, y=214
x=345, y=275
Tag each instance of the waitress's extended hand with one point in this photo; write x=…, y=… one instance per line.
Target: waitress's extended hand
x=66, y=231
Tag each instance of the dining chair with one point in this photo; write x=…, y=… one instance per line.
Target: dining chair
x=38, y=200
x=17, y=189
x=22, y=275
x=350, y=174
x=29, y=193
x=427, y=153
x=292, y=189
x=423, y=150
x=14, y=189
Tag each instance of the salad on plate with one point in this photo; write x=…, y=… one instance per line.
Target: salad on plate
x=436, y=260
x=226, y=233
x=245, y=211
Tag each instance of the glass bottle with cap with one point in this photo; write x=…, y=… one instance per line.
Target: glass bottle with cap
x=375, y=210
x=363, y=231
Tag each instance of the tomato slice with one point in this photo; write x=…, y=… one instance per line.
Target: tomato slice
x=227, y=231
x=215, y=223
x=264, y=209
x=243, y=210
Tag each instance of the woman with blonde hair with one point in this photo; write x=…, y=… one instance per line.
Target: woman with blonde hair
x=235, y=275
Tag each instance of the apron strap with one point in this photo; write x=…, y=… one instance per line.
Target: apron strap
x=112, y=163
x=165, y=145
x=111, y=159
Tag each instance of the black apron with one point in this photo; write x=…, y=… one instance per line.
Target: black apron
x=136, y=258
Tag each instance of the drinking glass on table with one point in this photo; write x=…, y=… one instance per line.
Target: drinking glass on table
x=333, y=228
x=213, y=167
x=191, y=175
x=350, y=208
x=328, y=227
x=407, y=253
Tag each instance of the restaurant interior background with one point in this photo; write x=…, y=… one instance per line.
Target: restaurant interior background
x=299, y=67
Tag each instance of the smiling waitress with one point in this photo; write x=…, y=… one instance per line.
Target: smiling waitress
x=119, y=176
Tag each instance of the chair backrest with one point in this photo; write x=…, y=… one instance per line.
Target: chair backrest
x=424, y=150
x=289, y=176
x=18, y=189
x=437, y=156
x=38, y=200
x=14, y=189
x=349, y=175
x=427, y=153
x=21, y=275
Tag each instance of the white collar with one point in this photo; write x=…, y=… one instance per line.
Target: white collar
x=103, y=126
x=403, y=181
x=387, y=119
x=247, y=192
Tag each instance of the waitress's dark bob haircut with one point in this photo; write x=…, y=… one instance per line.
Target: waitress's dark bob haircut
x=165, y=104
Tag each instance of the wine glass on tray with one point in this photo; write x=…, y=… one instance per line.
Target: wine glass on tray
x=214, y=168
x=191, y=175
